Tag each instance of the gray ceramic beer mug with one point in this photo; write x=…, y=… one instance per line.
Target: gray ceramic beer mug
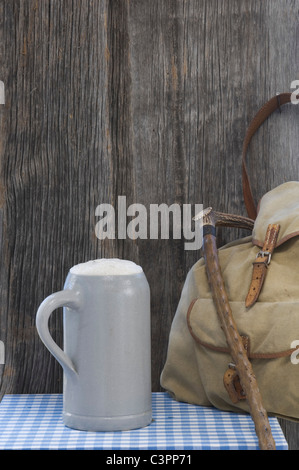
x=106, y=355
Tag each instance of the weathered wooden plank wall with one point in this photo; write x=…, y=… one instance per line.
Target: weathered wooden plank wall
x=147, y=99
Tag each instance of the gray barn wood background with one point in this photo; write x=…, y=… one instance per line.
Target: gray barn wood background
x=144, y=98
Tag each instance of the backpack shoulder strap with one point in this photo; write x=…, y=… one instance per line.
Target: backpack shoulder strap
x=272, y=105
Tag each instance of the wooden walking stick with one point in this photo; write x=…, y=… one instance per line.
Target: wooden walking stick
x=241, y=363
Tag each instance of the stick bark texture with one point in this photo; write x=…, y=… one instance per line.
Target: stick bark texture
x=243, y=365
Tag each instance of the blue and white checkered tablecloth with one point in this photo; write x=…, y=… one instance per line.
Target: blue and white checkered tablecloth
x=35, y=422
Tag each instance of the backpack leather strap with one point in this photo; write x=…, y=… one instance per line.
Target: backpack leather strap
x=272, y=105
x=260, y=265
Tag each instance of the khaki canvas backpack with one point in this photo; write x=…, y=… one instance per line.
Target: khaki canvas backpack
x=261, y=275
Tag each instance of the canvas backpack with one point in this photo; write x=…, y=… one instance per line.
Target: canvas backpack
x=261, y=275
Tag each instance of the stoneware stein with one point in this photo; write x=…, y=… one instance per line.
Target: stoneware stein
x=106, y=355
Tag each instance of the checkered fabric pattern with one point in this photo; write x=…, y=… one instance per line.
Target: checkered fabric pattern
x=35, y=422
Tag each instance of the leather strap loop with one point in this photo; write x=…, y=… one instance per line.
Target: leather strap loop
x=272, y=105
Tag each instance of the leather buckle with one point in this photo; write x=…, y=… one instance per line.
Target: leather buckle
x=232, y=384
x=231, y=380
x=263, y=254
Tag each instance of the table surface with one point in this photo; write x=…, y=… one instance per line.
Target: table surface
x=35, y=422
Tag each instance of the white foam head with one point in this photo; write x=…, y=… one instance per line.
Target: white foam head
x=106, y=267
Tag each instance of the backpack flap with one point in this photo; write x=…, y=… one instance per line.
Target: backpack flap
x=271, y=330
x=279, y=206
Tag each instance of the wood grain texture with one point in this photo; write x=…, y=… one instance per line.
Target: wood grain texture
x=147, y=99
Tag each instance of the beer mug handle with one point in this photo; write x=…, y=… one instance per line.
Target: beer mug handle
x=64, y=298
